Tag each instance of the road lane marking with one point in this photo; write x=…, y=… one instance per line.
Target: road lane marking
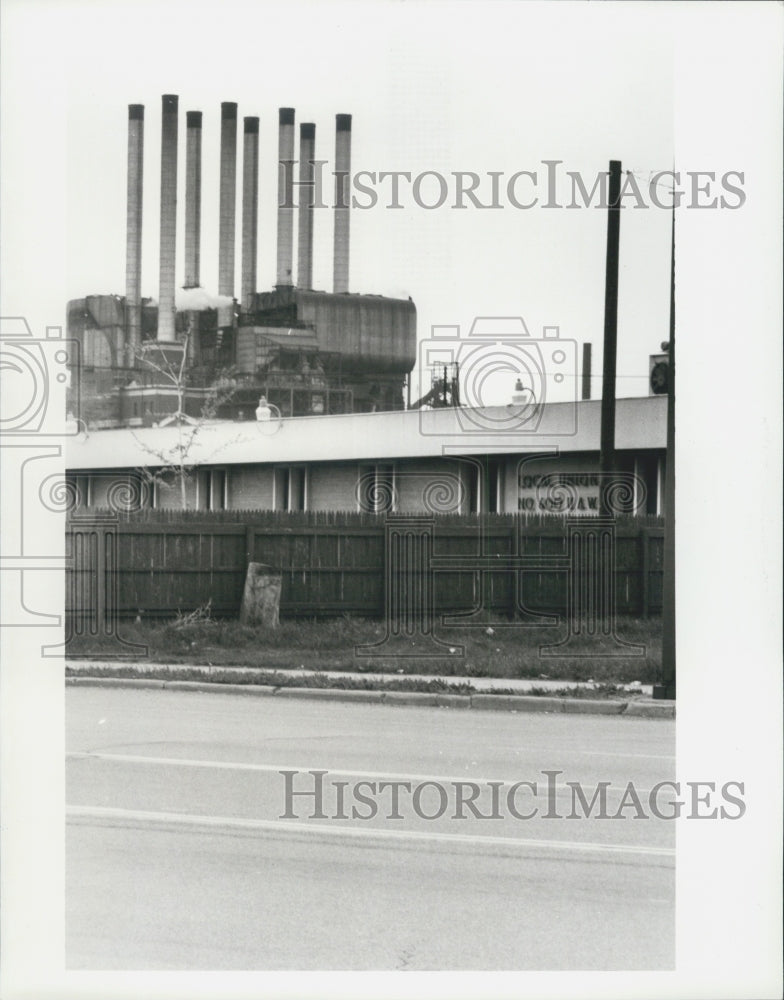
x=127, y=758
x=321, y=829
x=613, y=753
x=583, y=753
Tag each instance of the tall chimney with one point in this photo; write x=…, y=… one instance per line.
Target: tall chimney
x=192, y=199
x=285, y=196
x=307, y=200
x=586, y=393
x=250, y=211
x=133, y=237
x=228, y=199
x=342, y=201
x=166, y=327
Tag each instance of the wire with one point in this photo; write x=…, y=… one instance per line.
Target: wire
x=641, y=175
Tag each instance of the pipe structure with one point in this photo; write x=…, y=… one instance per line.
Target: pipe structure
x=342, y=202
x=166, y=304
x=285, y=258
x=133, y=233
x=227, y=208
x=307, y=200
x=250, y=211
x=192, y=199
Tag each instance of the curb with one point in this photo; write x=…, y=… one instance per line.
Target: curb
x=594, y=706
x=650, y=709
x=517, y=703
x=205, y=687
x=330, y=694
x=422, y=699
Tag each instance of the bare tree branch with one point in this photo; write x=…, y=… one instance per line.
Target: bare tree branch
x=178, y=461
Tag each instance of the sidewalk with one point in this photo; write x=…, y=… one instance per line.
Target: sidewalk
x=633, y=699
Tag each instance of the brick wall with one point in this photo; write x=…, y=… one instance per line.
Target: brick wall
x=250, y=487
x=426, y=484
x=333, y=486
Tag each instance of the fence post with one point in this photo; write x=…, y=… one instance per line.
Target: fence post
x=250, y=543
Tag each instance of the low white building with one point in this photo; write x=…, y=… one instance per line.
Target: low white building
x=452, y=459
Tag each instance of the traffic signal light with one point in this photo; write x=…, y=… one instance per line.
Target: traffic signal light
x=660, y=372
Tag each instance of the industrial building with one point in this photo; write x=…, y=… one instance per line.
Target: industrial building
x=306, y=351
x=324, y=373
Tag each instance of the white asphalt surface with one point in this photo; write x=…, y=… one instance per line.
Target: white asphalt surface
x=178, y=857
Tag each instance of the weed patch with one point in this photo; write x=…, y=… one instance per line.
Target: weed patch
x=499, y=651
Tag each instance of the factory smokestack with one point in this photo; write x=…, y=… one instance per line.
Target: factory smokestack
x=166, y=316
x=285, y=196
x=250, y=211
x=192, y=199
x=228, y=200
x=133, y=238
x=307, y=154
x=342, y=201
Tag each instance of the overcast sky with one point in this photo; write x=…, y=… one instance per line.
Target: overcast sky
x=441, y=87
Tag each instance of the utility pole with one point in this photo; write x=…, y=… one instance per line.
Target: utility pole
x=667, y=687
x=607, y=444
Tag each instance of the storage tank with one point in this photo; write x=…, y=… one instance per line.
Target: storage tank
x=363, y=334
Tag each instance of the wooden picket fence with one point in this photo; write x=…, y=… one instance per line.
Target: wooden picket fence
x=158, y=563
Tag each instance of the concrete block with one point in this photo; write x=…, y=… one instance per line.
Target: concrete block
x=261, y=598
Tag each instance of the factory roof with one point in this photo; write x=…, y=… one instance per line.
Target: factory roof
x=565, y=427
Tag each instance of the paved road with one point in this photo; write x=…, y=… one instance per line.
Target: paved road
x=178, y=858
